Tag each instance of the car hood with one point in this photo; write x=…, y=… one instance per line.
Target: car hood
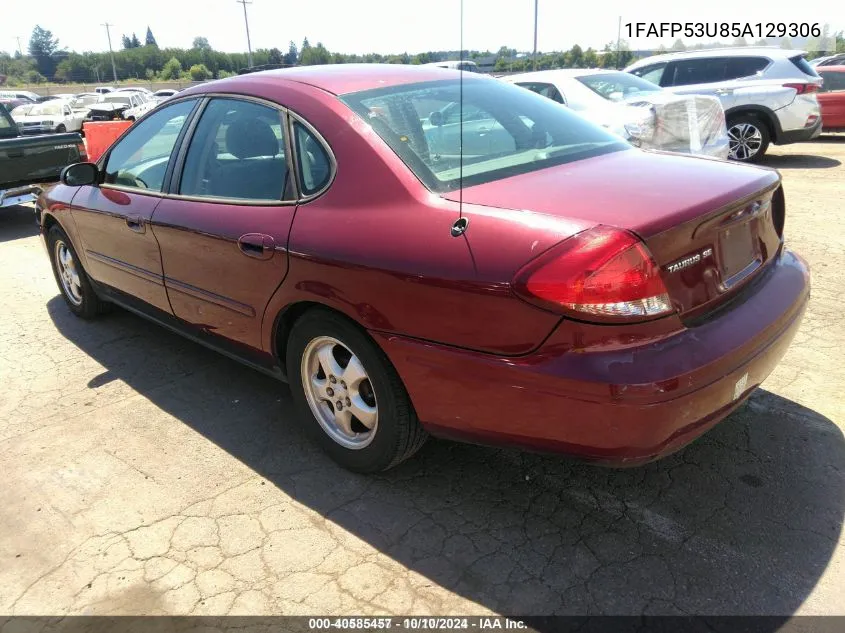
x=29, y=118
x=108, y=107
x=643, y=191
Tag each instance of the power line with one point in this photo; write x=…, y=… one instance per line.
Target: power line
x=111, y=52
x=246, y=22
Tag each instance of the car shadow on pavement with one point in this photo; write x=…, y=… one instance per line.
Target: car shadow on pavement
x=799, y=161
x=744, y=521
x=17, y=222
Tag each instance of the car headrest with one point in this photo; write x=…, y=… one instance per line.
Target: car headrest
x=249, y=137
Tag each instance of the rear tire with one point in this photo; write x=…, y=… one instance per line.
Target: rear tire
x=71, y=278
x=348, y=394
x=748, y=137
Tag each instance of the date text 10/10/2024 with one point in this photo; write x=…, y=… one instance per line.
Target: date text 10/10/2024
x=415, y=624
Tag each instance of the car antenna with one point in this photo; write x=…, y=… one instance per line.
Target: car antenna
x=460, y=225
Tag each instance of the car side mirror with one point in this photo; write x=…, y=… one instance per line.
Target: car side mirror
x=80, y=174
x=436, y=118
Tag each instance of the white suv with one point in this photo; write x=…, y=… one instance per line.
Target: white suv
x=769, y=94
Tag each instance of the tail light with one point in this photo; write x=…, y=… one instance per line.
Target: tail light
x=603, y=273
x=802, y=88
x=83, y=152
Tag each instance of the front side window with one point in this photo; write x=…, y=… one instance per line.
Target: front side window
x=237, y=152
x=140, y=159
x=519, y=132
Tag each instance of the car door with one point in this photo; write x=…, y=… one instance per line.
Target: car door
x=832, y=99
x=71, y=121
x=113, y=217
x=224, y=230
x=701, y=76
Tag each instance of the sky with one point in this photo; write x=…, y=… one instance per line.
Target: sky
x=386, y=26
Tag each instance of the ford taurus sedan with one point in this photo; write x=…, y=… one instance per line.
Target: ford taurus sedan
x=540, y=283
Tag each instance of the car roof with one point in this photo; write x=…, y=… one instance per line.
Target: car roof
x=559, y=73
x=837, y=69
x=740, y=51
x=341, y=79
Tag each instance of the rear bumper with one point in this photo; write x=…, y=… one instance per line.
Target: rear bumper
x=800, y=135
x=19, y=195
x=620, y=404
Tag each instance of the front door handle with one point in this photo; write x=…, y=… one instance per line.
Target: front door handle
x=136, y=223
x=257, y=245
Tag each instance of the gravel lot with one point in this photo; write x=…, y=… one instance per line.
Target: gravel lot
x=144, y=474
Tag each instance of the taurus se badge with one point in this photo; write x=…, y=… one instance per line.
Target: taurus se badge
x=686, y=262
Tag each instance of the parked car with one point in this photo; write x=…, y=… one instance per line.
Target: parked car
x=636, y=109
x=164, y=94
x=568, y=293
x=83, y=101
x=832, y=98
x=769, y=94
x=140, y=110
x=829, y=60
x=103, y=89
x=466, y=65
x=49, y=117
x=27, y=162
x=61, y=96
x=113, y=105
x=141, y=89
x=13, y=99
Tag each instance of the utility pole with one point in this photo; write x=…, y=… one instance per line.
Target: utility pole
x=20, y=51
x=111, y=52
x=618, y=42
x=246, y=22
x=534, y=58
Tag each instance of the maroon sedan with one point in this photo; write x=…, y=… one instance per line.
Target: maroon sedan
x=418, y=254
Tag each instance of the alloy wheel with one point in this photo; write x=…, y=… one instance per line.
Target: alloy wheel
x=339, y=392
x=68, y=273
x=745, y=141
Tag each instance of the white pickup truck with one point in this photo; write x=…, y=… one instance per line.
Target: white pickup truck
x=55, y=116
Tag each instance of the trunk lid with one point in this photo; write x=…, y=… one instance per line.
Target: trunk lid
x=711, y=226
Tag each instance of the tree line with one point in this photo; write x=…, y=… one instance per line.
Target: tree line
x=48, y=61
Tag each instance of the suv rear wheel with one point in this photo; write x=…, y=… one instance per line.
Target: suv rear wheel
x=748, y=137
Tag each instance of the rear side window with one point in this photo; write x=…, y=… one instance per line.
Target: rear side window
x=833, y=82
x=237, y=152
x=699, y=71
x=547, y=90
x=803, y=65
x=312, y=160
x=745, y=66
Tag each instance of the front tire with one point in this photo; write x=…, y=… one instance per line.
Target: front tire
x=349, y=396
x=71, y=278
x=748, y=138
x=61, y=129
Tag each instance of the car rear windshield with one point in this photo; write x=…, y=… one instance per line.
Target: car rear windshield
x=495, y=131
x=803, y=65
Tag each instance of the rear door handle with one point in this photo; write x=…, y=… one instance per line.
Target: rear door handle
x=136, y=223
x=257, y=245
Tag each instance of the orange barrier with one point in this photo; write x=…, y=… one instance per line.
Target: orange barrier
x=99, y=135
